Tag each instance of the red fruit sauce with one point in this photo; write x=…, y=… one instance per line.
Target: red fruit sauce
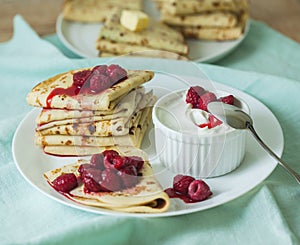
x=81, y=82
x=71, y=91
x=173, y=194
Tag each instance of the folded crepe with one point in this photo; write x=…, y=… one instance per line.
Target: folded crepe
x=187, y=7
x=147, y=53
x=133, y=138
x=95, y=10
x=68, y=134
x=109, y=46
x=116, y=39
x=114, y=127
x=146, y=197
x=133, y=102
x=216, y=33
x=212, y=19
x=72, y=145
x=206, y=19
x=107, y=100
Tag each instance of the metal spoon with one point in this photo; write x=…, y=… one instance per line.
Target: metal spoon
x=236, y=118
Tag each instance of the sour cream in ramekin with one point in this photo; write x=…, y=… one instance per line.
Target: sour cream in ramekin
x=179, y=116
x=185, y=148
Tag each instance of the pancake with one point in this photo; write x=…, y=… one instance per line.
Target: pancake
x=106, y=100
x=216, y=20
x=114, y=127
x=148, y=53
x=69, y=145
x=116, y=39
x=69, y=126
x=213, y=19
x=216, y=33
x=125, y=109
x=65, y=117
x=95, y=10
x=187, y=7
x=147, y=196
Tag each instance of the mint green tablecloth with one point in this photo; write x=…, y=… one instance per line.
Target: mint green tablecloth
x=269, y=70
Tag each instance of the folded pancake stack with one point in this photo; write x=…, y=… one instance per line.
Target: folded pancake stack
x=157, y=40
x=206, y=19
x=79, y=121
x=95, y=10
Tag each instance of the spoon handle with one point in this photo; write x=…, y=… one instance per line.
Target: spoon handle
x=280, y=161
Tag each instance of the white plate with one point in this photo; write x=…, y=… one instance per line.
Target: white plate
x=32, y=162
x=81, y=38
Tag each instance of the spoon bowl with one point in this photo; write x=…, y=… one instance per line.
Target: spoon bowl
x=230, y=114
x=238, y=119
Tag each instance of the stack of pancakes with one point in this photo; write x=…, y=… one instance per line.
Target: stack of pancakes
x=95, y=10
x=157, y=40
x=85, y=124
x=206, y=19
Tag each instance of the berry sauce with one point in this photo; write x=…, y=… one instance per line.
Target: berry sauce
x=92, y=81
x=173, y=194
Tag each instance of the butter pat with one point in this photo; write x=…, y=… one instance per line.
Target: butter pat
x=134, y=20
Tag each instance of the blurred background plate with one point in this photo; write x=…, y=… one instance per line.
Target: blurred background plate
x=81, y=38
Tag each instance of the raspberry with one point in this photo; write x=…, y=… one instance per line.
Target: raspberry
x=65, y=182
x=79, y=78
x=116, y=73
x=92, y=173
x=84, y=167
x=227, y=99
x=109, y=156
x=213, y=121
x=110, y=153
x=181, y=183
x=111, y=181
x=97, y=161
x=99, y=70
x=118, y=162
x=99, y=83
x=193, y=95
x=91, y=178
x=129, y=176
x=91, y=185
x=136, y=161
x=198, y=190
x=205, y=99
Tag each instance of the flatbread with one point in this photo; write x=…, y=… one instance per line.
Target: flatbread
x=95, y=10
x=156, y=36
x=146, y=197
x=102, y=101
x=216, y=33
x=212, y=19
x=186, y=7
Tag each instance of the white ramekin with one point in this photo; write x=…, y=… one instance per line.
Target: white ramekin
x=202, y=156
